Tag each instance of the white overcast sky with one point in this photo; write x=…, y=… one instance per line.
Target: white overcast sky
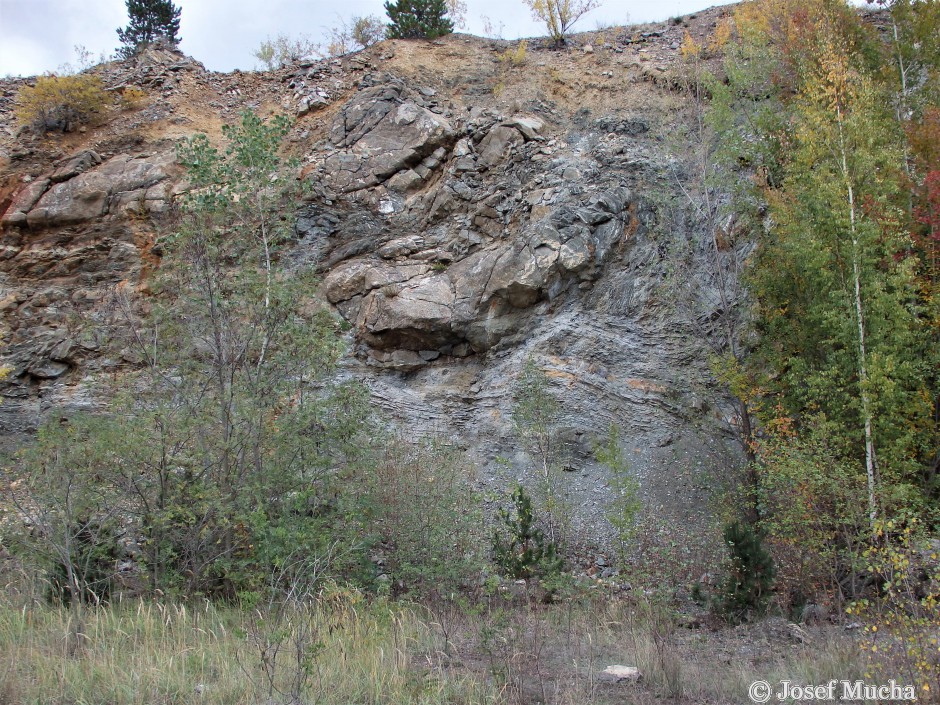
x=40, y=35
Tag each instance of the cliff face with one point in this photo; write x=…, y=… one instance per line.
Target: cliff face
x=466, y=212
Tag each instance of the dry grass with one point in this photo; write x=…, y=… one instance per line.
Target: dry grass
x=149, y=653
x=342, y=648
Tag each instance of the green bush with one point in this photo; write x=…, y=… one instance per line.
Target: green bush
x=425, y=517
x=521, y=550
x=417, y=19
x=751, y=574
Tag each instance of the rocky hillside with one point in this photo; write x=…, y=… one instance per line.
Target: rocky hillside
x=470, y=206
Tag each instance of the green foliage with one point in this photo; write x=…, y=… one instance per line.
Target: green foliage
x=624, y=507
x=424, y=516
x=521, y=549
x=61, y=102
x=824, y=127
x=65, y=487
x=751, y=573
x=535, y=415
x=417, y=19
x=233, y=370
x=840, y=333
x=284, y=50
x=149, y=20
x=228, y=449
x=812, y=506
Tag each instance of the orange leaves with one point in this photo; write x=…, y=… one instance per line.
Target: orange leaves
x=807, y=35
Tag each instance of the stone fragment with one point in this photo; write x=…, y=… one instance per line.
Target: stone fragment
x=75, y=165
x=621, y=674
x=495, y=147
x=530, y=126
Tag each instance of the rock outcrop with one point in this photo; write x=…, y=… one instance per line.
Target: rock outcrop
x=82, y=189
x=458, y=230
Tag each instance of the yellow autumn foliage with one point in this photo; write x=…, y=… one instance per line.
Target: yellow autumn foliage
x=61, y=102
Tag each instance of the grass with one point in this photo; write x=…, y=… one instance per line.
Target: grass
x=344, y=649
x=338, y=650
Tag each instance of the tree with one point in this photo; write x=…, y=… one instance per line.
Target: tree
x=418, y=19
x=521, y=550
x=228, y=452
x=241, y=446
x=358, y=33
x=149, y=20
x=535, y=416
x=845, y=339
x=560, y=15
x=751, y=573
x=625, y=504
x=284, y=50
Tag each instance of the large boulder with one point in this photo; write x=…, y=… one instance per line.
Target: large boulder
x=383, y=132
x=82, y=188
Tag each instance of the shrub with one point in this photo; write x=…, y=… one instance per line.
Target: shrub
x=535, y=416
x=359, y=33
x=624, y=506
x=284, y=50
x=60, y=102
x=368, y=30
x=523, y=552
x=418, y=19
x=132, y=97
x=425, y=516
x=516, y=56
x=903, y=622
x=751, y=574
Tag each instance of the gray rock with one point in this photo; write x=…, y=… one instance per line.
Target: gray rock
x=495, y=147
x=23, y=202
x=92, y=193
x=75, y=165
x=382, y=133
x=529, y=125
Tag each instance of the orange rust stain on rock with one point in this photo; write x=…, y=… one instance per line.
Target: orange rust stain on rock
x=561, y=374
x=144, y=240
x=630, y=228
x=645, y=385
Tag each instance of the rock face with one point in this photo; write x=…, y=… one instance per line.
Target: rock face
x=457, y=233
x=383, y=134
x=80, y=190
x=396, y=299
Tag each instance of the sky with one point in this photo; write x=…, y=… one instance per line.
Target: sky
x=37, y=36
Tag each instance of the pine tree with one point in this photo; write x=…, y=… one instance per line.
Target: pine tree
x=418, y=19
x=751, y=573
x=149, y=19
